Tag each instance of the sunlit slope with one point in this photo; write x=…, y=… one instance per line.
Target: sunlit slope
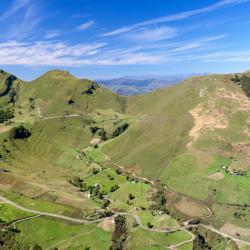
x=60, y=93
x=181, y=133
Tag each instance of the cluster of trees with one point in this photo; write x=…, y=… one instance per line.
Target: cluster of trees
x=120, y=234
x=104, y=135
x=6, y=115
x=20, y=132
x=94, y=190
x=119, y=130
x=200, y=243
x=100, y=131
x=244, y=81
x=8, y=241
x=90, y=90
x=159, y=201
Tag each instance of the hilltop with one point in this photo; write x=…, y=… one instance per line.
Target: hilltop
x=147, y=165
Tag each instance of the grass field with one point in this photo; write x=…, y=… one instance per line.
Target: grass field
x=48, y=233
x=37, y=204
x=141, y=239
x=8, y=213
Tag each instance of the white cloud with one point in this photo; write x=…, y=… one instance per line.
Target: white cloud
x=53, y=53
x=175, y=17
x=86, y=25
x=47, y=53
x=153, y=35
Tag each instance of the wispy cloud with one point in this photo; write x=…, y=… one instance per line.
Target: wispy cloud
x=14, y=7
x=175, y=17
x=52, y=34
x=26, y=26
x=86, y=25
x=197, y=44
x=153, y=34
x=47, y=53
x=62, y=54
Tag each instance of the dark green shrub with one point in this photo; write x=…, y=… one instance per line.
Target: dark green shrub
x=245, y=84
x=20, y=132
x=6, y=115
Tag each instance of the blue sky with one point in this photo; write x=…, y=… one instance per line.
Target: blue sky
x=105, y=39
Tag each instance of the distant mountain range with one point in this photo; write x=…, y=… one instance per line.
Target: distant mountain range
x=134, y=85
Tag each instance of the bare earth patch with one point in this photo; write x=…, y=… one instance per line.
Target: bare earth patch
x=211, y=119
x=95, y=141
x=239, y=232
x=210, y=116
x=216, y=176
x=107, y=225
x=190, y=208
x=4, y=129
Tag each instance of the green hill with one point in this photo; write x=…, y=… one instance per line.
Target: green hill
x=71, y=147
x=182, y=130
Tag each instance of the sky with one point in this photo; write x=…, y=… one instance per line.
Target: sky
x=106, y=39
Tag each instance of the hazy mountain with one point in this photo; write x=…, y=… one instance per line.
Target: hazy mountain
x=133, y=85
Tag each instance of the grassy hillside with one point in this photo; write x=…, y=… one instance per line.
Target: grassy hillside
x=60, y=93
x=64, y=136
x=182, y=130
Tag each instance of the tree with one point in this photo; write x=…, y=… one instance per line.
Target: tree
x=20, y=132
x=114, y=188
x=130, y=196
x=149, y=225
